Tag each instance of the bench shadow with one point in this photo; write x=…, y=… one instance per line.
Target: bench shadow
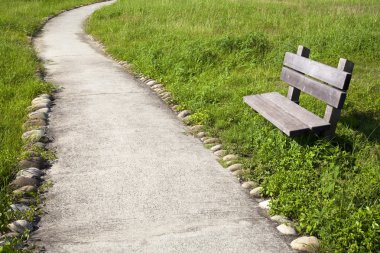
x=365, y=122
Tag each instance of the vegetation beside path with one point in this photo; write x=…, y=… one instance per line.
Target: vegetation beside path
x=19, y=81
x=210, y=53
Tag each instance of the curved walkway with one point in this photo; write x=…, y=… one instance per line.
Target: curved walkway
x=128, y=178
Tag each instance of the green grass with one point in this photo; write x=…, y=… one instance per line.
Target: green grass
x=19, y=82
x=210, y=53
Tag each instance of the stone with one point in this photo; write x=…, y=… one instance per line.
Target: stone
x=42, y=110
x=45, y=96
x=19, y=226
x=230, y=157
x=220, y=153
x=25, y=189
x=201, y=134
x=286, y=229
x=34, y=136
x=249, y=185
x=38, y=115
x=237, y=173
x=35, y=123
x=264, y=204
x=31, y=172
x=216, y=147
x=9, y=235
x=256, y=192
x=234, y=167
x=165, y=95
x=35, y=162
x=204, y=138
x=280, y=219
x=156, y=86
x=183, y=114
x=40, y=100
x=211, y=141
x=23, y=181
x=306, y=244
x=39, y=145
x=196, y=128
x=229, y=163
x=39, y=105
x=20, y=207
x=27, y=201
x=151, y=83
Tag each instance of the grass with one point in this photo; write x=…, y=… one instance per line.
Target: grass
x=211, y=53
x=19, y=81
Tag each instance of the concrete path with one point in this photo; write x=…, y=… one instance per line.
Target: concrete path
x=128, y=178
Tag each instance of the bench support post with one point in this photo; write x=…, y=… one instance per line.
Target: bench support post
x=332, y=114
x=294, y=93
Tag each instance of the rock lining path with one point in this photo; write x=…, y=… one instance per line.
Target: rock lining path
x=128, y=178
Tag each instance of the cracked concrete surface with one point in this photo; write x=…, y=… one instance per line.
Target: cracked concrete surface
x=128, y=178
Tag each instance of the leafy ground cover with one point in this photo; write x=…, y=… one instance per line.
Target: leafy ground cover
x=19, y=81
x=210, y=53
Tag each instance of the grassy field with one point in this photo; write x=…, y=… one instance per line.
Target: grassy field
x=19, y=82
x=210, y=53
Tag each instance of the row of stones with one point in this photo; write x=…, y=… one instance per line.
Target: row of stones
x=303, y=243
x=31, y=169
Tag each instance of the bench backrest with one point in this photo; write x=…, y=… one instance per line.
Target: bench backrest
x=319, y=80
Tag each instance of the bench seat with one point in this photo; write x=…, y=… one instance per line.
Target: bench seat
x=288, y=116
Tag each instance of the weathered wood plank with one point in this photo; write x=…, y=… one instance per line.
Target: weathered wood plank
x=330, y=95
x=294, y=93
x=333, y=76
x=288, y=124
x=314, y=122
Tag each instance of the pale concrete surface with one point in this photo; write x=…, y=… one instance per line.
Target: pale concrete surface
x=128, y=178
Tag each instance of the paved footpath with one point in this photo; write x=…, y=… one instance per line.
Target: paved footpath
x=128, y=178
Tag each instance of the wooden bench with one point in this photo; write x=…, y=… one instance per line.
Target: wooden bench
x=320, y=81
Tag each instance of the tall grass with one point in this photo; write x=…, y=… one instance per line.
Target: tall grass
x=19, y=82
x=210, y=53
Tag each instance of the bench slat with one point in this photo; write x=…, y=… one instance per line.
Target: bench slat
x=290, y=125
x=314, y=122
x=330, y=95
x=325, y=73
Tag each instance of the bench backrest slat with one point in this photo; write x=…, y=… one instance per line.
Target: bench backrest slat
x=333, y=76
x=328, y=94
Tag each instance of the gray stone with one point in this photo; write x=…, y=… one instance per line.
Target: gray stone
x=23, y=181
x=45, y=96
x=31, y=172
x=183, y=114
x=229, y=163
x=156, y=86
x=39, y=105
x=256, y=192
x=27, y=201
x=9, y=235
x=151, y=83
x=19, y=226
x=175, y=108
x=280, y=219
x=249, y=185
x=40, y=100
x=196, y=129
x=211, y=141
x=34, y=136
x=20, y=207
x=39, y=115
x=25, y=189
x=42, y=110
x=264, y=204
x=286, y=229
x=306, y=244
x=205, y=138
x=230, y=157
x=234, y=167
x=237, y=173
x=201, y=134
x=165, y=95
x=33, y=162
x=220, y=153
x=216, y=147
x=35, y=124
